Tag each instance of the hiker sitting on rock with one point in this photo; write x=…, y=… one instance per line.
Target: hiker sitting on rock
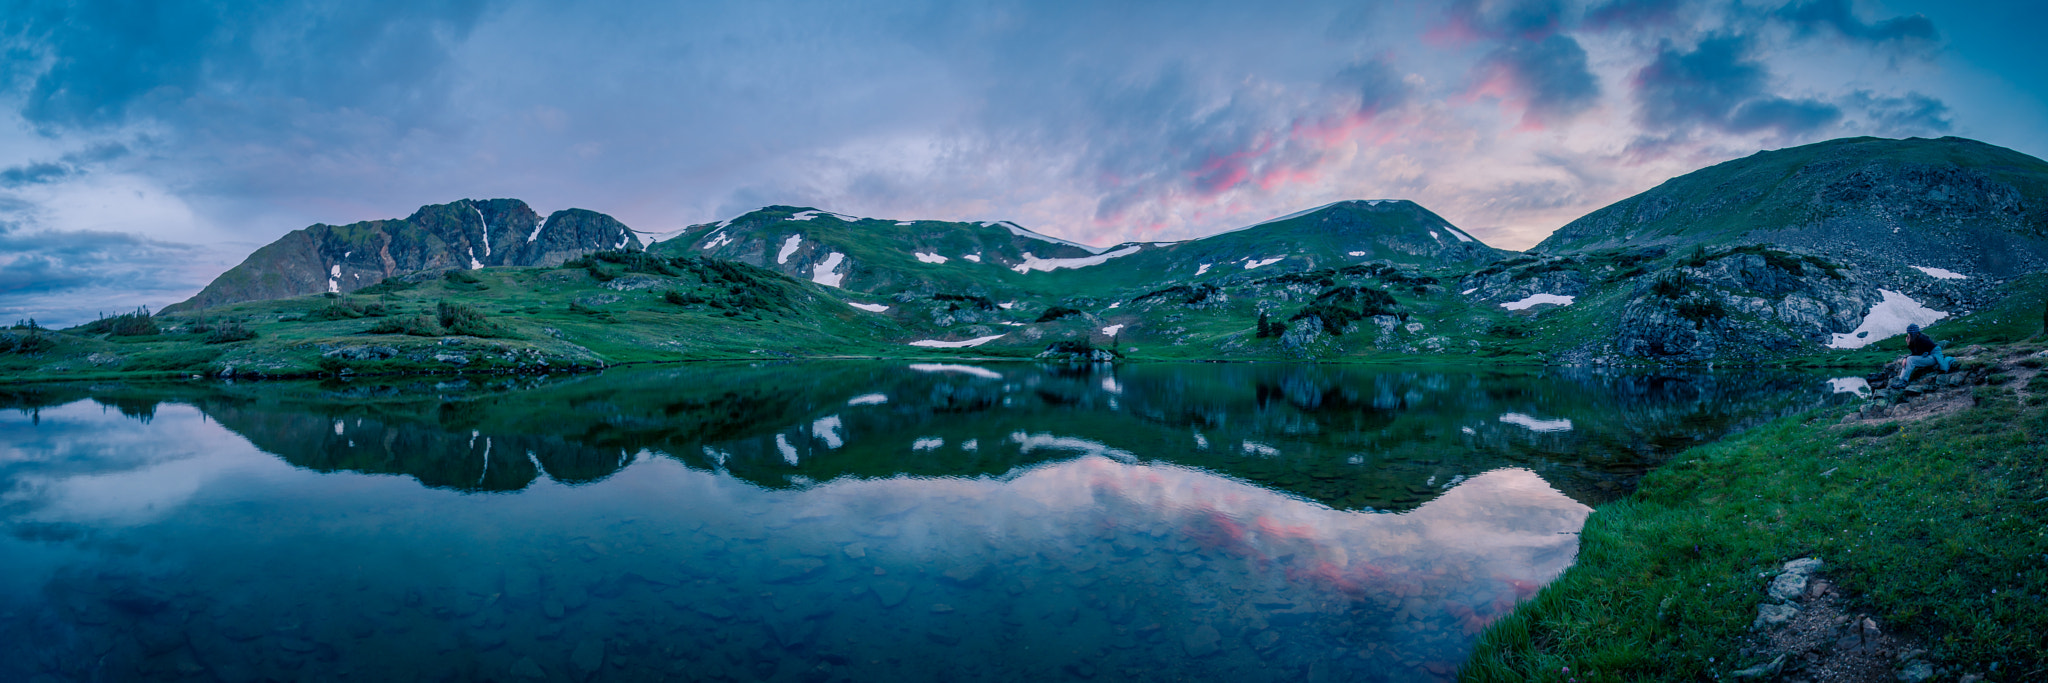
x=1920, y=352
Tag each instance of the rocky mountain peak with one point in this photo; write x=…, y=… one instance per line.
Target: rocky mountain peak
x=464, y=234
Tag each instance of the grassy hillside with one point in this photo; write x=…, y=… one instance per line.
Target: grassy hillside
x=1669, y=581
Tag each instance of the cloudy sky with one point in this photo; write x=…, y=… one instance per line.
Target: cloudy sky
x=147, y=145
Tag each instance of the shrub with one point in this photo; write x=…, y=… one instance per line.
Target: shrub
x=466, y=319
x=1700, y=309
x=137, y=324
x=1182, y=293
x=390, y=285
x=33, y=341
x=1670, y=285
x=1055, y=313
x=229, y=332
x=346, y=308
x=1340, y=306
x=414, y=325
x=979, y=302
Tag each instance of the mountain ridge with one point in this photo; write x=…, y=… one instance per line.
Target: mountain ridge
x=464, y=234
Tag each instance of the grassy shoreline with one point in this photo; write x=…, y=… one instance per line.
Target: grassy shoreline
x=1928, y=523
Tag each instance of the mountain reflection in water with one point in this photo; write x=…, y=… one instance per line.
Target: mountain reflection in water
x=846, y=521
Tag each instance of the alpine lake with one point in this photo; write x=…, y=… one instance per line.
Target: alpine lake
x=818, y=521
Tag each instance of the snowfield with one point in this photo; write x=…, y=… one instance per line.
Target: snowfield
x=871, y=308
x=1032, y=263
x=1887, y=318
x=928, y=258
x=1261, y=263
x=1852, y=385
x=1940, y=273
x=937, y=344
x=823, y=273
x=788, y=247
x=1113, y=329
x=1535, y=299
x=1536, y=425
x=868, y=400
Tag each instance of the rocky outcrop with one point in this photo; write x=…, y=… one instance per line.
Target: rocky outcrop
x=470, y=233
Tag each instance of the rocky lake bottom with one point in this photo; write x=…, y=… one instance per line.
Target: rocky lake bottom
x=817, y=522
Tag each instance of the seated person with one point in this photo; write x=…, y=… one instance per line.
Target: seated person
x=1920, y=352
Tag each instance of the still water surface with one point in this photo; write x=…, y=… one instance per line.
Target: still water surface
x=816, y=522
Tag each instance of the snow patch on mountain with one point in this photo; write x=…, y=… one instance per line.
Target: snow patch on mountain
x=973, y=257
x=1113, y=329
x=1019, y=231
x=1199, y=270
x=938, y=344
x=1460, y=234
x=871, y=308
x=1032, y=263
x=868, y=400
x=536, y=230
x=923, y=257
x=1536, y=299
x=1849, y=385
x=718, y=239
x=1940, y=273
x=334, y=279
x=1261, y=263
x=824, y=273
x=788, y=247
x=487, y=229
x=1536, y=425
x=1887, y=318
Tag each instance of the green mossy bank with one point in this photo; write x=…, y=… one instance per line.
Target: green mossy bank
x=1932, y=525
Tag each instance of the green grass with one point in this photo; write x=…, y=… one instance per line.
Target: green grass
x=1931, y=526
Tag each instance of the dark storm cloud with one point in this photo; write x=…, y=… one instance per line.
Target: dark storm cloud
x=52, y=261
x=33, y=174
x=1839, y=17
x=1531, y=20
x=1782, y=115
x=1909, y=114
x=1633, y=14
x=109, y=60
x=71, y=165
x=1719, y=85
x=1550, y=75
x=1379, y=87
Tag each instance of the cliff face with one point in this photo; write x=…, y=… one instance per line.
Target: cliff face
x=470, y=233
